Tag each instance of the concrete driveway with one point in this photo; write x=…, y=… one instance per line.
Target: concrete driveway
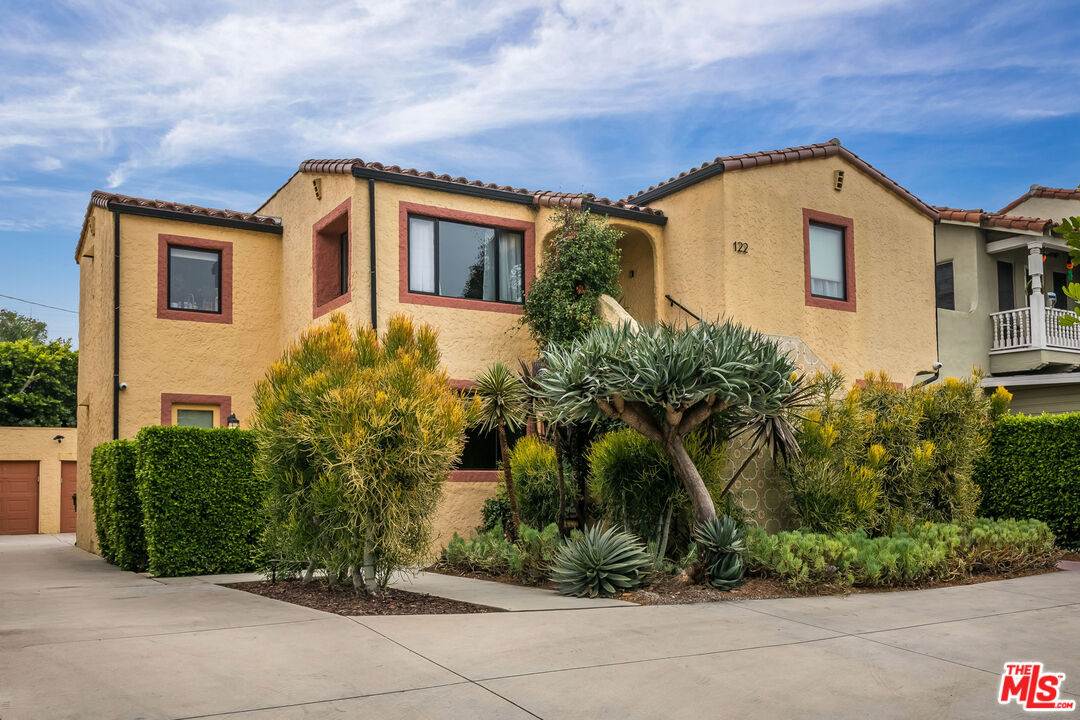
x=81, y=639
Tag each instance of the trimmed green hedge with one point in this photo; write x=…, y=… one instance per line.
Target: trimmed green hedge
x=1032, y=470
x=117, y=509
x=201, y=502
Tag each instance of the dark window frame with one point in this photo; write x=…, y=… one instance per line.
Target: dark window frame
x=843, y=260
x=435, y=249
x=938, y=295
x=169, y=277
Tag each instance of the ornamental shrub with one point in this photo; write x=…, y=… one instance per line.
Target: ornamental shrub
x=527, y=561
x=930, y=552
x=636, y=487
x=580, y=264
x=600, y=562
x=1032, y=470
x=882, y=457
x=536, y=479
x=118, y=514
x=356, y=434
x=200, y=498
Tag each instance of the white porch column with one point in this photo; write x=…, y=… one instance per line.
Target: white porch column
x=1036, y=301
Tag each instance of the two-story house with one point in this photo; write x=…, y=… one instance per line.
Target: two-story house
x=999, y=279
x=183, y=308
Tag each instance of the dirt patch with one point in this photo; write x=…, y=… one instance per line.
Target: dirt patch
x=343, y=601
x=1072, y=556
x=481, y=575
x=672, y=591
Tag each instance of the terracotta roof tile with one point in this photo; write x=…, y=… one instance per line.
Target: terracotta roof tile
x=541, y=198
x=997, y=221
x=104, y=200
x=1044, y=192
x=729, y=163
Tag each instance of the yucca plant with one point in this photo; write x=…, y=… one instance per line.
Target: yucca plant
x=600, y=563
x=721, y=545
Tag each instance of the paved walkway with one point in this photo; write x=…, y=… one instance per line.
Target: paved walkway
x=81, y=639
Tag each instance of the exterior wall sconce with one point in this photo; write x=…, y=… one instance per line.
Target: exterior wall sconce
x=232, y=422
x=58, y=438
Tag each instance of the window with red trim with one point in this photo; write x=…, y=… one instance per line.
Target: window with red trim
x=829, y=259
x=330, y=260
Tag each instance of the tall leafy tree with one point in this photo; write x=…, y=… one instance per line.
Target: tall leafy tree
x=15, y=326
x=38, y=383
x=665, y=380
x=504, y=405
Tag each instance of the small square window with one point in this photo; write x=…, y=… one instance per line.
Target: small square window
x=194, y=279
x=195, y=418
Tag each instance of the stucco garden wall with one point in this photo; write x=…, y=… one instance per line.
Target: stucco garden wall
x=38, y=444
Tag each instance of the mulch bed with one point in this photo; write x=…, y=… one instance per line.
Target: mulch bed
x=673, y=591
x=343, y=601
x=481, y=575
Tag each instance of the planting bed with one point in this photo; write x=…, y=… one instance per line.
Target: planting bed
x=343, y=601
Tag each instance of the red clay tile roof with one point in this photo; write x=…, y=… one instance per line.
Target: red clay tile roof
x=104, y=199
x=1044, y=192
x=996, y=221
x=772, y=157
x=541, y=198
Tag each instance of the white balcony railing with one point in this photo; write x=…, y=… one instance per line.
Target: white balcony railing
x=1058, y=336
x=1013, y=331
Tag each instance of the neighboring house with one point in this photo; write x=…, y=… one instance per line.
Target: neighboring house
x=999, y=294
x=808, y=243
x=37, y=480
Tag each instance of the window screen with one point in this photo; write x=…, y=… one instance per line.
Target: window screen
x=195, y=418
x=827, y=262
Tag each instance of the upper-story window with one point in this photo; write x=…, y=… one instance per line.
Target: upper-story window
x=943, y=284
x=194, y=279
x=829, y=260
x=460, y=260
x=330, y=260
x=827, y=269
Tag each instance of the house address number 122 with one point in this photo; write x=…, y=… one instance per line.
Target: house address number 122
x=741, y=247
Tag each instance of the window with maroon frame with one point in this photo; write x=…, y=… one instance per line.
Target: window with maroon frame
x=194, y=279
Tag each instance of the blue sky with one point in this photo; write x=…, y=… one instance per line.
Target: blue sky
x=964, y=103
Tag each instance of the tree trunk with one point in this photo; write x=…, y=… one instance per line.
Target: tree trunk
x=661, y=554
x=562, y=482
x=359, y=586
x=508, y=476
x=371, y=582
x=310, y=573
x=687, y=472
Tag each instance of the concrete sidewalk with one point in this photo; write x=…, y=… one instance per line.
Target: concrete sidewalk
x=81, y=639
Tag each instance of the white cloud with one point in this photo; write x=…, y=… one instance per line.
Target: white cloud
x=145, y=86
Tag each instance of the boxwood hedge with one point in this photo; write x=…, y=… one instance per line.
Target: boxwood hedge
x=1032, y=470
x=117, y=509
x=201, y=501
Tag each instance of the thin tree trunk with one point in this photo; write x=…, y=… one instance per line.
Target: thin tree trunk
x=742, y=467
x=562, y=482
x=359, y=586
x=508, y=476
x=309, y=574
x=704, y=510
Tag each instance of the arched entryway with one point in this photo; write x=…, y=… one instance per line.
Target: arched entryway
x=638, y=275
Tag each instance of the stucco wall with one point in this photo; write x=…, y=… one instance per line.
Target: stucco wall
x=459, y=511
x=1047, y=208
x=1037, y=400
x=964, y=334
x=892, y=328
x=36, y=443
x=94, y=413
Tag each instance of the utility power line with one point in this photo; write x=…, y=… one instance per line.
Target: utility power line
x=31, y=302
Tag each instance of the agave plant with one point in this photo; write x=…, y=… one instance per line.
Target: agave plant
x=599, y=563
x=721, y=545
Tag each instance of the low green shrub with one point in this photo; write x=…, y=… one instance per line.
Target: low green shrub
x=495, y=512
x=600, y=562
x=536, y=480
x=118, y=514
x=200, y=498
x=527, y=561
x=929, y=553
x=722, y=546
x=636, y=487
x=1032, y=470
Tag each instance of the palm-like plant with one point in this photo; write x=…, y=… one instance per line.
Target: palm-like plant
x=504, y=405
x=664, y=381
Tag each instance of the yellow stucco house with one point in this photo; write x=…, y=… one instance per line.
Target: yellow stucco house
x=183, y=307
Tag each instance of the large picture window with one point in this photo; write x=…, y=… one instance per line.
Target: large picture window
x=461, y=260
x=194, y=279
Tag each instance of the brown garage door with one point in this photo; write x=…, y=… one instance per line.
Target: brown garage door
x=67, y=489
x=18, y=498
